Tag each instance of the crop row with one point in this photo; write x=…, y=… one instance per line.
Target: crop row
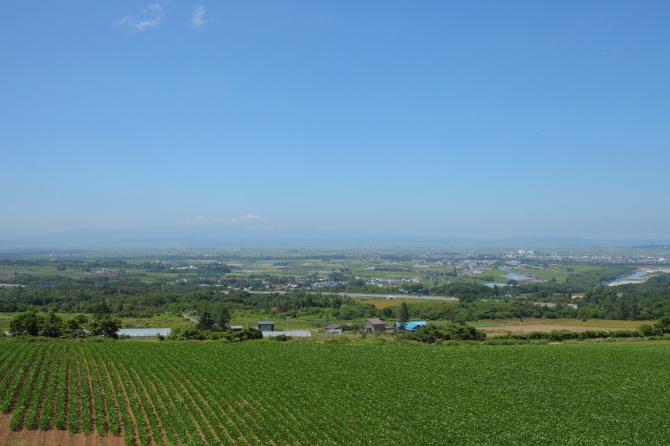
x=276, y=393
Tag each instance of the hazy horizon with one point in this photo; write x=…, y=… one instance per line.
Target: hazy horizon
x=432, y=120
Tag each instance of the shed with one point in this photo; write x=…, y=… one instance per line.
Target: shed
x=373, y=325
x=266, y=325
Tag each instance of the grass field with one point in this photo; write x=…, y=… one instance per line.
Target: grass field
x=383, y=303
x=269, y=392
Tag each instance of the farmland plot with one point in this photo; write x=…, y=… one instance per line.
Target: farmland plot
x=263, y=393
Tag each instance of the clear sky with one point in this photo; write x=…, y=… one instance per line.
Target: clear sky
x=432, y=118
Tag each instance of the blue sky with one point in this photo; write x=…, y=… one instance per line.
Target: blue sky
x=445, y=119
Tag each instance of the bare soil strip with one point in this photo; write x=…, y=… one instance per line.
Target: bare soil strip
x=127, y=402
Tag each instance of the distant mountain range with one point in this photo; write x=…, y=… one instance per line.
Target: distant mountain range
x=224, y=235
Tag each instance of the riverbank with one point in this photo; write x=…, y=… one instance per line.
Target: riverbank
x=640, y=276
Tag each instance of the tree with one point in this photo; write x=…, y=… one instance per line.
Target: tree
x=224, y=318
x=28, y=323
x=101, y=309
x=403, y=314
x=663, y=324
x=106, y=326
x=206, y=321
x=53, y=326
x=73, y=329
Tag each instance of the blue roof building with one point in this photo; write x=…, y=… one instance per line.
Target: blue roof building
x=412, y=326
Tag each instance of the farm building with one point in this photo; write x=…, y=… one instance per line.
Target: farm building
x=412, y=326
x=333, y=328
x=374, y=325
x=144, y=332
x=266, y=325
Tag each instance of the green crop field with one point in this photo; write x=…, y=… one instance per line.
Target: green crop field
x=301, y=393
